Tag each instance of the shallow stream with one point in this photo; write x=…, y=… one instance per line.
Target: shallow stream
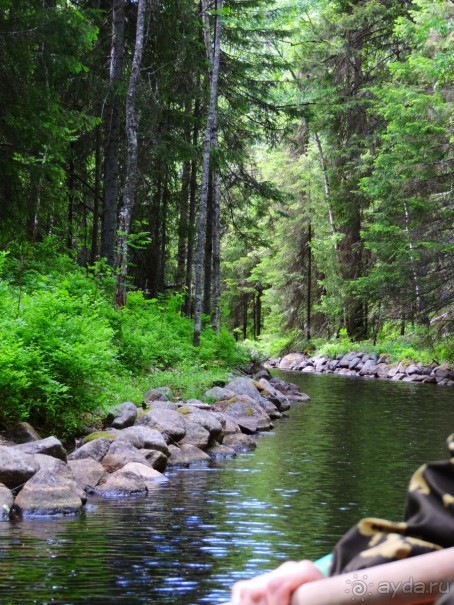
x=347, y=454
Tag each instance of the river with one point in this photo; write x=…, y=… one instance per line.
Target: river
x=347, y=454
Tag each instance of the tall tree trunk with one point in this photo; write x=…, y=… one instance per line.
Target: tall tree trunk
x=111, y=161
x=309, y=282
x=216, y=290
x=163, y=236
x=326, y=189
x=192, y=211
x=131, y=173
x=96, y=194
x=212, y=107
x=208, y=256
x=258, y=313
x=184, y=198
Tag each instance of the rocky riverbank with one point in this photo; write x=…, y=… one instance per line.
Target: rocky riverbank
x=367, y=365
x=127, y=457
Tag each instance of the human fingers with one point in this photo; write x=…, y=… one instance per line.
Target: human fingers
x=275, y=587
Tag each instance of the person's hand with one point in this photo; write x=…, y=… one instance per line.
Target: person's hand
x=275, y=587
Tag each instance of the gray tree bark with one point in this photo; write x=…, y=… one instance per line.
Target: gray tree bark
x=211, y=122
x=131, y=173
x=109, y=218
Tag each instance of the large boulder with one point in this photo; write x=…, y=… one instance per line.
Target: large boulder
x=119, y=454
x=155, y=459
x=48, y=494
x=54, y=466
x=208, y=420
x=148, y=475
x=195, y=434
x=291, y=360
x=267, y=390
x=87, y=472
x=16, y=467
x=122, y=416
x=239, y=442
x=95, y=449
x=246, y=412
x=187, y=455
x=122, y=484
x=244, y=386
x=443, y=372
x=168, y=422
x=159, y=394
x=6, y=502
x=218, y=394
x=144, y=437
x=23, y=432
x=50, y=446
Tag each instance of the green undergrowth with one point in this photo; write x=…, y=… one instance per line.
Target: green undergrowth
x=419, y=344
x=66, y=355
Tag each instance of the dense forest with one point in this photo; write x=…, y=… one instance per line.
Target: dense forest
x=280, y=169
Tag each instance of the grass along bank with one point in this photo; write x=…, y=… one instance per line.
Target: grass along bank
x=66, y=355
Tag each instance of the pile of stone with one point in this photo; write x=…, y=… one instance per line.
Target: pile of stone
x=128, y=457
x=369, y=365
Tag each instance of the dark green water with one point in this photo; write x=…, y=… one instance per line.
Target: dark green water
x=347, y=454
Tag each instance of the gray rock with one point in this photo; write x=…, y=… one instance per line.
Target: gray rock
x=218, y=394
x=23, y=432
x=240, y=442
x=291, y=360
x=161, y=405
x=156, y=459
x=262, y=374
x=355, y=362
x=147, y=474
x=144, y=437
x=196, y=403
x=333, y=364
x=398, y=376
x=6, y=502
x=48, y=494
x=297, y=397
x=269, y=408
x=16, y=467
x=54, y=466
x=50, y=446
x=246, y=413
x=308, y=370
x=220, y=452
x=244, y=386
x=195, y=434
x=87, y=472
x=157, y=395
x=411, y=369
x=121, y=484
x=444, y=372
x=369, y=368
x=187, y=455
x=267, y=390
x=231, y=427
x=95, y=449
x=168, y=422
x=208, y=420
x=344, y=362
x=119, y=454
x=122, y=415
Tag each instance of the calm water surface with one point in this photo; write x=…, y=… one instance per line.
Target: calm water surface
x=347, y=454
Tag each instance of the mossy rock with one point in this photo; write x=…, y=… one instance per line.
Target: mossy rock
x=185, y=410
x=99, y=435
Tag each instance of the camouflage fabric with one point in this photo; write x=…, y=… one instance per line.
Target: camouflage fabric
x=428, y=525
